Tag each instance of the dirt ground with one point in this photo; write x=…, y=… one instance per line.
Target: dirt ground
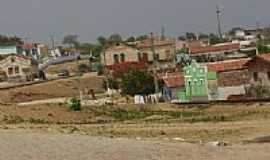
x=54, y=89
x=232, y=124
x=72, y=67
x=152, y=132
x=22, y=145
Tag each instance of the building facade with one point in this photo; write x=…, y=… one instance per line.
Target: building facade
x=19, y=68
x=139, y=51
x=196, y=84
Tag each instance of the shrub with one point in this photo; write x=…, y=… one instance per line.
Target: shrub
x=84, y=68
x=75, y=104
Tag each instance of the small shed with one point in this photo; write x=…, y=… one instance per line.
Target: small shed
x=173, y=84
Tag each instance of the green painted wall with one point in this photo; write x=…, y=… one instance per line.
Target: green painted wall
x=196, y=80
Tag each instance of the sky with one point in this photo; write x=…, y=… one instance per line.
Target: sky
x=36, y=20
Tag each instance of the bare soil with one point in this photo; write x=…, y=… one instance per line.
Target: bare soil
x=72, y=67
x=22, y=145
x=153, y=132
x=54, y=89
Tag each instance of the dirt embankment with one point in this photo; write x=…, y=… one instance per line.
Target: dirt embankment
x=52, y=89
x=72, y=67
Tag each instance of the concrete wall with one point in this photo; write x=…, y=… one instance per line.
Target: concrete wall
x=233, y=78
x=165, y=52
x=5, y=50
x=225, y=92
x=131, y=54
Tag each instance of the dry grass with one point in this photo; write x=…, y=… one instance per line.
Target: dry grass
x=53, y=89
x=72, y=67
x=162, y=121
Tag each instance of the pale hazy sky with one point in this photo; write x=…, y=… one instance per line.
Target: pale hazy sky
x=37, y=19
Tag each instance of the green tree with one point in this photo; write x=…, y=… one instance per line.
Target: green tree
x=102, y=40
x=131, y=39
x=137, y=82
x=115, y=38
x=141, y=37
x=71, y=40
x=5, y=40
x=203, y=36
x=191, y=36
x=233, y=30
x=214, y=39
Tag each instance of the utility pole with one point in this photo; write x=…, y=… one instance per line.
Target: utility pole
x=52, y=42
x=162, y=33
x=155, y=63
x=218, y=12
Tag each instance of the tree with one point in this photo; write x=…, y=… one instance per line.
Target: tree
x=214, y=39
x=115, y=38
x=71, y=40
x=233, y=30
x=191, y=36
x=182, y=38
x=142, y=37
x=203, y=36
x=137, y=82
x=4, y=40
x=102, y=41
x=131, y=39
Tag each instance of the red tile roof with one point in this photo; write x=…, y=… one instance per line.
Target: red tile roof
x=173, y=81
x=265, y=56
x=28, y=46
x=224, y=66
x=209, y=49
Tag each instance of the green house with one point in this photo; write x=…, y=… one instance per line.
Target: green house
x=196, y=83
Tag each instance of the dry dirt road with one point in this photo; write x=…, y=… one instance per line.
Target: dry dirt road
x=22, y=145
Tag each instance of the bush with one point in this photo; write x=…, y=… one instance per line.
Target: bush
x=84, y=68
x=137, y=82
x=75, y=104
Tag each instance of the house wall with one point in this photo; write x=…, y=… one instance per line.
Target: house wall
x=196, y=82
x=165, y=52
x=131, y=54
x=233, y=78
x=25, y=68
x=225, y=92
x=262, y=68
x=5, y=50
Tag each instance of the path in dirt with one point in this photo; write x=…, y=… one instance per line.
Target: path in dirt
x=21, y=145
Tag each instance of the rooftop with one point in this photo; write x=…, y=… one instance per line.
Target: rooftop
x=229, y=65
x=214, y=48
x=174, y=80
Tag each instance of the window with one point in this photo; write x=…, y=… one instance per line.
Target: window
x=17, y=71
x=145, y=57
x=10, y=71
x=202, y=81
x=116, y=58
x=156, y=57
x=168, y=54
x=12, y=60
x=268, y=75
x=139, y=56
x=122, y=57
x=255, y=76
